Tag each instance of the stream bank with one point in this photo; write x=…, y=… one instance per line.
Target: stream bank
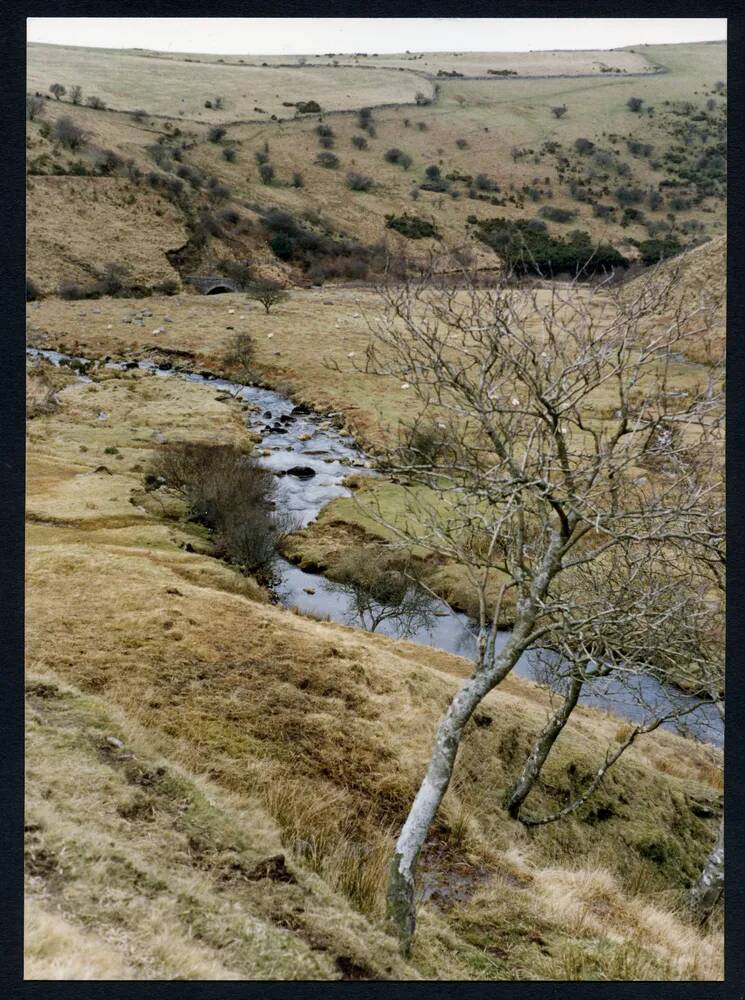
x=311, y=458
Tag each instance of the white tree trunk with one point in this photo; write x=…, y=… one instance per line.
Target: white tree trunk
x=708, y=887
x=401, y=885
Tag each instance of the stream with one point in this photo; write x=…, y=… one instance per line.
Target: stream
x=297, y=439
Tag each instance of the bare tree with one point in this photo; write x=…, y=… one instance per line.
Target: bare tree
x=632, y=616
x=268, y=293
x=76, y=94
x=34, y=107
x=568, y=442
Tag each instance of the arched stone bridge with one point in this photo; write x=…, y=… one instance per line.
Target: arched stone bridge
x=210, y=284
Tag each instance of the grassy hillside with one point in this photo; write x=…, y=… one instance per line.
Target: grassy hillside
x=198, y=753
x=215, y=783
x=500, y=153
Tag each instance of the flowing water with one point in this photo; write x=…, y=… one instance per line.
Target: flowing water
x=296, y=439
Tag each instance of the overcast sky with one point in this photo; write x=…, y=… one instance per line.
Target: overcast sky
x=275, y=35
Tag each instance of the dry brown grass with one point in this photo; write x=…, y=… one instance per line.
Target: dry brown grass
x=281, y=731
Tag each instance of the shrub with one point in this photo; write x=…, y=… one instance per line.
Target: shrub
x=190, y=174
x=637, y=148
x=603, y=211
x=655, y=250
x=655, y=201
x=324, y=131
x=268, y=293
x=107, y=161
x=96, y=103
x=229, y=154
x=328, y=160
x=262, y=156
x=229, y=493
x=34, y=107
x=112, y=278
x=139, y=115
x=218, y=102
x=559, y=111
x=76, y=94
x=216, y=133
x=392, y=155
x=584, y=146
x=68, y=134
x=157, y=152
x=526, y=250
x=240, y=355
x=433, y=172
x=58, y=90
x=308, y=107
x=239, y=272
x=484, y=183
x=167, y=287
x=554, y=214
x=422, y=126
x=326, y=142
x=297, y=180
x=217, y=191
x=628, y=195
x=412, y=227
x=71, y=291
x=33, y=293
x=364, y=117
x=634, y=103
x=421, y=99
x=230, y=216
x=359, y=182
x=208, y=225
x=359, y=142
x=461, y=143
x=266, y=173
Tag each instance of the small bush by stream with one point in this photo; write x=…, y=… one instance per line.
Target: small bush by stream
x=229, y=493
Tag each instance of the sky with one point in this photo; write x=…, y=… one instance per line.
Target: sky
x=297, y=35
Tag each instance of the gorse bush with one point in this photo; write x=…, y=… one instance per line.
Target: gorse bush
x=554, y=214
x=328, y=160
x=230, y=494
x=526, y=250
x=412, y=227
x=359, y=182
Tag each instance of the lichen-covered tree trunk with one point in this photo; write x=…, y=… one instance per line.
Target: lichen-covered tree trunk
x=518, y=793
x=401, y=910
x=708, y=887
